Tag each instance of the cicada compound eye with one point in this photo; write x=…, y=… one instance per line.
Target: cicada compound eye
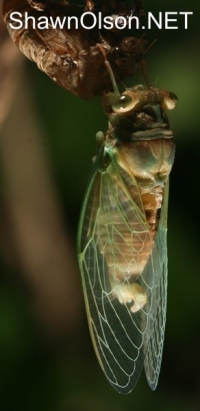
x=125, y=103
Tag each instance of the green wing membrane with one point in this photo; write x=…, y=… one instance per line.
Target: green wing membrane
x=157, y=317
x=123, y=275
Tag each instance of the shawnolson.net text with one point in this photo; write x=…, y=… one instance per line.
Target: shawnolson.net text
x=168, y=20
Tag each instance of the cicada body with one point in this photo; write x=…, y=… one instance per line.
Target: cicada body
x=122, y=247
x=54, y=38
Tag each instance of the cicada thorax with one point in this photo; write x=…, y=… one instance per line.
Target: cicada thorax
x=71, y=56
x=141, y=146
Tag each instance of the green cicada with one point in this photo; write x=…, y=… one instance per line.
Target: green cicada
x=122, y=247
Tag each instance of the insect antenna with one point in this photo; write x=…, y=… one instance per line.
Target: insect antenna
x=143, y=66
x=145, y=72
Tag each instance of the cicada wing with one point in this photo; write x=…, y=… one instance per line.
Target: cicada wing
x=113, y=246
x=157, y=316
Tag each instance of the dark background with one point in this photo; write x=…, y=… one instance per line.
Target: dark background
x=47, y=142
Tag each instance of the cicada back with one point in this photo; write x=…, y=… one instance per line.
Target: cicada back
x=122, y=246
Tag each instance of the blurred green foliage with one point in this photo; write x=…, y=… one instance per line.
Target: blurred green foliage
x=66, y=376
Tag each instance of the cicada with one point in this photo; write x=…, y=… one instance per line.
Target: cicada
x=69, y=54
x=122, y=247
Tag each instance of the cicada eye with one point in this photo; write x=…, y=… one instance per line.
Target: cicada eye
x=169, y=101
x=123, y=104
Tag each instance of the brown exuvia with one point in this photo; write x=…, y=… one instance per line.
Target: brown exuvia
x=71, y=56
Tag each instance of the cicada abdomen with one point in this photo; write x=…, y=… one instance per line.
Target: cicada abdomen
x=67, y=52
x=122, y=247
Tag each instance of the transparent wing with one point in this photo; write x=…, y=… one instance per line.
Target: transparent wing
x=157, y=317
x=121, y=268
